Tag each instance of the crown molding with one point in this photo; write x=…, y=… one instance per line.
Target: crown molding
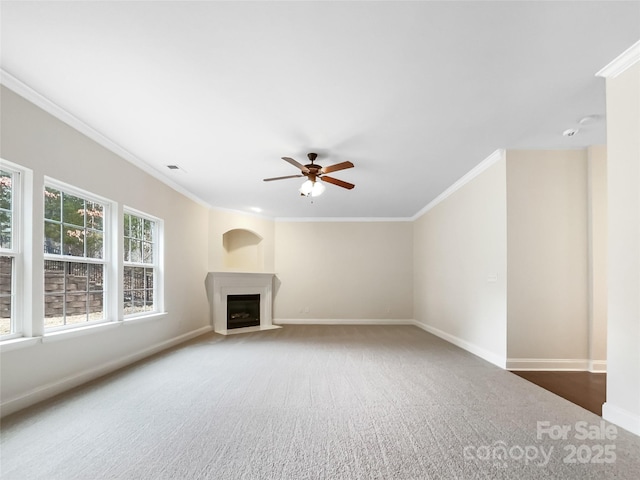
x=28, y=93
x=622, y=62
x=470, y=175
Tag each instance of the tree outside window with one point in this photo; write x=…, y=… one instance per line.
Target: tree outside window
x=7, y=253
x=140, y=264
x=74, y=259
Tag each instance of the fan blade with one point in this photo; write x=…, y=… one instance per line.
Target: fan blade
x=281, y=178
x=337, y=182
x=336, y=167
x=296, y=164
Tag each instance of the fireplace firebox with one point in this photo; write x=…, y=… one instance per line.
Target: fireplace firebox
x=243, y=311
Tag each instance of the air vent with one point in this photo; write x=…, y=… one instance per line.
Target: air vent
x=176, y=168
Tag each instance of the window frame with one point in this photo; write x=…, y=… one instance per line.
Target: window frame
x=106, y=261
x=16, y=320
x=156, y=265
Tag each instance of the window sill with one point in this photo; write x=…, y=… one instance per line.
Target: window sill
x=77, y=332
x=24, y=342
x=144, y=318
x=18, y=343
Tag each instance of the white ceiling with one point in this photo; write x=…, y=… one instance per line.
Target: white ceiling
x=415, y=94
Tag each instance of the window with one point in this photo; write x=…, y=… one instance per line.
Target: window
x=9, y=181
x=141, y=260
x=75, y=262
x=80, y=261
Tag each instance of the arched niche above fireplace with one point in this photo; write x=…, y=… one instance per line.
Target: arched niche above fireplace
x=243, y=250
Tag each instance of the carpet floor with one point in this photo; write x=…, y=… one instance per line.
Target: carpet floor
x=314, y=402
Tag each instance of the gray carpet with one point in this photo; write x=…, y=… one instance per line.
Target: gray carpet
x=310, y=402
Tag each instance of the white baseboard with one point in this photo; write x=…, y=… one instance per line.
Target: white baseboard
x=465, y=345
x=598, y=366
x=343, y=321
x=44, y=392
x=557, y=364
x=621, y=417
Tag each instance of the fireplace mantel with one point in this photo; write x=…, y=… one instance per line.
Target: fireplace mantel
x=221, y=284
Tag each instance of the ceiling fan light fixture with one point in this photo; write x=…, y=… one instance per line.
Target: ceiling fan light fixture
x=311, y=188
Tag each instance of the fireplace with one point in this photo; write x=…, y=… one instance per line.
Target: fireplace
x=245, y=296
x=243, y=311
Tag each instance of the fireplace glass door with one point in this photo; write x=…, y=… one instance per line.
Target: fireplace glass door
x=243, y=311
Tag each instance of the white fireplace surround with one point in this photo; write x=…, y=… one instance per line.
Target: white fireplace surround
x=221, y=284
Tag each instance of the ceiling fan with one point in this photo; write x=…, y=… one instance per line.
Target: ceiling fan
x=314, y=172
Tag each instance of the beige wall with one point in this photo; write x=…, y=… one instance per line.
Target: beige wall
x=40, y=142
x=623, y=156
x=597, y=245
x=460, y=266
x=547, y=255
x=343, y=270
x=540, y=215
x=223, y=221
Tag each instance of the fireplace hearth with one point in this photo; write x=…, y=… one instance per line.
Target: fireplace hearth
x=243, y=311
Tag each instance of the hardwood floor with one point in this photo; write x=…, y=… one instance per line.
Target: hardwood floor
x=582, y=388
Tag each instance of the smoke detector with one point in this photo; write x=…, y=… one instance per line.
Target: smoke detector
x=570, y=132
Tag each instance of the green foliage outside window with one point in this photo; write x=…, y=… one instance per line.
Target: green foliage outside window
x=73, y=225
x=139, y=268
x=6, y=209
x=74, y=291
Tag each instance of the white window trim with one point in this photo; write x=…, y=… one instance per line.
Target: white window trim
x=27, y=250
x=110, y=310
x=21, y=187
x=158, y=265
